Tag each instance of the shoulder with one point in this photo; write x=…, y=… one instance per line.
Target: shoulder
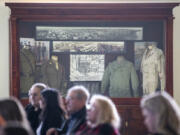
x=29, y=107
x=159, y=51
x=56, y=115
x=107, y=129
x=128, y=63
x=112, y=65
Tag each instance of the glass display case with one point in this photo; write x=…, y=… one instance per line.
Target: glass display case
x=119, y=59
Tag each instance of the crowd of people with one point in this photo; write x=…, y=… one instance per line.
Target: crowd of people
x=80, y=113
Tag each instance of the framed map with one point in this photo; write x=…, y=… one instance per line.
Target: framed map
x=86, y=67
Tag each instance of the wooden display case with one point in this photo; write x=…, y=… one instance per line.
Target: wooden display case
x=91, y=36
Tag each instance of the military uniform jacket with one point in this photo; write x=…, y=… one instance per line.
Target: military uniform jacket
x=153, y=70
x=27, y=70
x=52, y=76
x=118, y=79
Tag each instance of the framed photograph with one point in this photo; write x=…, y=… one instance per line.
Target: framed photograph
x=41, y=49
x=88, y=46
x=26, y=42
x=32, y=55
x=89, y=33
x=86, y=67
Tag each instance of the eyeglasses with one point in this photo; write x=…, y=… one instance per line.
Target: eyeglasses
x=70, y=98
x=33, y=94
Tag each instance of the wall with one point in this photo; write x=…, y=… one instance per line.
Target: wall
x=176, y=54
x=4, y=50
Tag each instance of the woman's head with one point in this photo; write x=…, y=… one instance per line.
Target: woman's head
x=12, y=110
x=49, y=102
x=102, y=110
x=161, y=113
x=49, y=99
x=15, y=128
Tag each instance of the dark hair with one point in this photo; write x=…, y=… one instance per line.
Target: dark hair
x=10, y=110
x=50, y=97
x=51, y=115
x=15, y=128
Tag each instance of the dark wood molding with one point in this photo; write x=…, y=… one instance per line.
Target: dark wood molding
x=90, y=9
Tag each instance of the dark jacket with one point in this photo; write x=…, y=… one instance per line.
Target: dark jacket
x=53, y=120
x=102, y=129
x=72, y=125
x=33, y=116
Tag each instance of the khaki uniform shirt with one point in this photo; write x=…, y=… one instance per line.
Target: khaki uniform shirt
x=153, y=70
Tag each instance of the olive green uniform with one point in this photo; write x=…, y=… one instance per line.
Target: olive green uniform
x=118, y=79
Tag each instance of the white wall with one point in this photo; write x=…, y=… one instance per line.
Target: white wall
x=176, y=54
x=4, y=51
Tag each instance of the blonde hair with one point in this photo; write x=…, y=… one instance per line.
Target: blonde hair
x=107, y=111
x=167, y=111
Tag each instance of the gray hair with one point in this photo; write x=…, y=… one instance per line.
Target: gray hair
x=41, y=86
x=82, y=93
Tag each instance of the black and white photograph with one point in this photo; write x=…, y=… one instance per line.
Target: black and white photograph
x=27, y=42
x=86, y=67
x=86, y=46
x=89, y=33
x=40, y=49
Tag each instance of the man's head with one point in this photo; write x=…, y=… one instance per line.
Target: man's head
x=76, y=98
x=35, y=93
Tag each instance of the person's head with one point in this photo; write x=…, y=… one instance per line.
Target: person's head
x=161, y=113
x=49, y=103
x=49, y=99
x=15, y=128
x=76, y=98
x=102, y=110
x=12, y=110
x=35, y=93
